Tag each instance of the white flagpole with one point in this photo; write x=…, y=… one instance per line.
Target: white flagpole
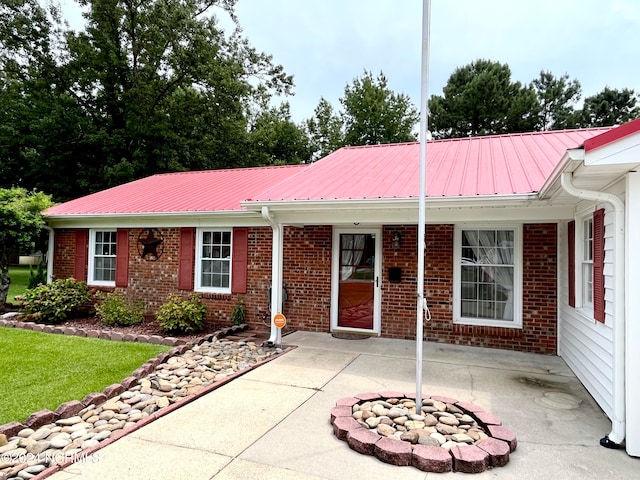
x=424, y=125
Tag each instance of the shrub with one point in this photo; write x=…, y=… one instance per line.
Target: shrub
x=37, y=276
x=57, y=301
x=238, y=314
x=119, y=310
x=180, y=315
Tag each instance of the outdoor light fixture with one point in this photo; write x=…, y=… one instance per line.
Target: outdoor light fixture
x=395, y=243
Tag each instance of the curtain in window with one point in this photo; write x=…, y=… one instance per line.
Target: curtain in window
x=491, y=250
x=352, y=248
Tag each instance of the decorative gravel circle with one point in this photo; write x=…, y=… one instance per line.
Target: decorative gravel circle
x=447, y=435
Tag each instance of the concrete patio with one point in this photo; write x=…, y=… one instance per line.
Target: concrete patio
x=273, y=422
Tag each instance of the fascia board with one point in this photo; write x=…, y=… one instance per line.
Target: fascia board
x=390, y=204
x=623, y=151
x=178, y=219
x=569, y=162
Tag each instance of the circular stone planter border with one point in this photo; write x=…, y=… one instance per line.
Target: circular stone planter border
x=489, y=453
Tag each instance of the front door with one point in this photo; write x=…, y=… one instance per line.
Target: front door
x=356, y=280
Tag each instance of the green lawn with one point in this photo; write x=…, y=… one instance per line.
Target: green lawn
x=19, y=280
x=43, y=370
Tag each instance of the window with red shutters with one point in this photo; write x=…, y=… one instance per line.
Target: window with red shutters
x=598, y=265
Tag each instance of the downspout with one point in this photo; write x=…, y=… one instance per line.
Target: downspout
x=618, y=423
x=276, y=274
x=50, y=253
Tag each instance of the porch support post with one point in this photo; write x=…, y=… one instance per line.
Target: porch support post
x=276, y=273
x=50, y=254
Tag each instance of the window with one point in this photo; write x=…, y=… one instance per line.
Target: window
x=102, y=257
x=587, y=263
x=487, y=277
x=213, y=261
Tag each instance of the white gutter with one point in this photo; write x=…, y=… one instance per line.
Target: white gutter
x=391, y=202
x=276, y=274
x=618, y=423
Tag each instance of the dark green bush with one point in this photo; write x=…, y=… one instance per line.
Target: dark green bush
x=37, y=276
x=238, y=313
x=179, y=315
x=116, y=309
x=57, y=301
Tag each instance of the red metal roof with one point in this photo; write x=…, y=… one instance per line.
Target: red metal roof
x=491, y=165
x=612, y=135
x=202, y=191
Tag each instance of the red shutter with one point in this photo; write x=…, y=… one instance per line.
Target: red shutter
x=598, y=265
x=80, y=262
x=122, y=258
x=187, y=252
x=572, y=263
x=239, y=260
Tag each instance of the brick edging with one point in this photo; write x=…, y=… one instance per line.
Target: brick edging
x=490, y=453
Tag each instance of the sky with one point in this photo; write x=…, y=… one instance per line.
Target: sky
x=326, y=44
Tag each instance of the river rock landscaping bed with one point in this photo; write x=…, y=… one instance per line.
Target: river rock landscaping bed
x=76, y=429
x=446, y=435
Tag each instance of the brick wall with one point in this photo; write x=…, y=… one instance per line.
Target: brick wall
x=64, y=254
x=153, y=281
x=307, y=276
x=539, y=332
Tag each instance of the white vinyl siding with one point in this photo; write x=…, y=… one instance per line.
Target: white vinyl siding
x=584, y=344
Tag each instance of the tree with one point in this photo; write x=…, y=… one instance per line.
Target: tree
x=22, y=224
x=557, y=98
x=481, y=99
x=149, y=86
x=374, y=114
x=324, y=130
x=275, y=140
x=610, y=107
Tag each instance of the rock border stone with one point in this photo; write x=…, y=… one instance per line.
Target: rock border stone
x=491, y=452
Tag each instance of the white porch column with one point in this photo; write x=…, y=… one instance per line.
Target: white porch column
x=277, y=249
x=633, y=313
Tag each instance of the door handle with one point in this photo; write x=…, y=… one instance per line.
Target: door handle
x=377, y=281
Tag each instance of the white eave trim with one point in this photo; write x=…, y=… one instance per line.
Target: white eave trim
x=392, y=203
x=153, y=219
x=572, y=155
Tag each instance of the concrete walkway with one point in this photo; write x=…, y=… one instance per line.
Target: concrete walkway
x=273, y=422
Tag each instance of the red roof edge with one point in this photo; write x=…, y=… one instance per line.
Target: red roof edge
x=612, y=135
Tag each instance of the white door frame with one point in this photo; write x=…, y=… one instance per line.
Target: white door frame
x=335, y=277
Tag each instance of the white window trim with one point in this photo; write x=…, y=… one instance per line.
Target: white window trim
x=582, y=304
x=92, y=248
x=198, y=261
x=517, y=277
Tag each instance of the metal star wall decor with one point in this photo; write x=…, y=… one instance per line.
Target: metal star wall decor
x=151, y=244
